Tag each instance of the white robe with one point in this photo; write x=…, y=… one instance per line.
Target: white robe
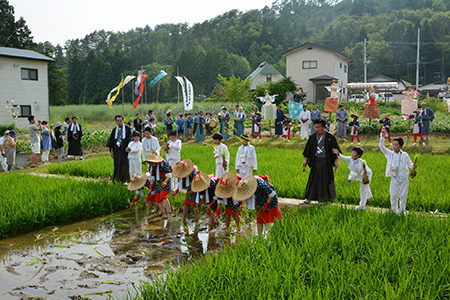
x=356, y=166
x=305, y=126
x=150, y=145
x=134, y=158
x=218, y=150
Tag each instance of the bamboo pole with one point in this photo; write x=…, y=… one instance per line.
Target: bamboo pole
x=145, y=92
x=178, y=88
x=157, y=95
x=123, y=100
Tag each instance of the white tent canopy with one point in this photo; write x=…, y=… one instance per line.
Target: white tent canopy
x=368, y=85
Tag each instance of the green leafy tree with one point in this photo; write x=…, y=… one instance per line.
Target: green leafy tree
x=13, y=33
x=236, y=89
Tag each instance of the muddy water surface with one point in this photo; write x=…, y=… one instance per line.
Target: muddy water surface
x=103, y=256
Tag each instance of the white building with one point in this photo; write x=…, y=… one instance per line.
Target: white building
x=312, y=67
x=23, y=83
x=263, y=74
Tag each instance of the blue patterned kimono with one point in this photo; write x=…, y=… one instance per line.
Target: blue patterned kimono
x=239, y=126
x=224, y=124
x=199, y=133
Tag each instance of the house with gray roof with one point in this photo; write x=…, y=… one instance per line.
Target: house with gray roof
x=313, y=66
x=263, y=74
x=23, y=85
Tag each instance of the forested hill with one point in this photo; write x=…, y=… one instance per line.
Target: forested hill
x=236, y=42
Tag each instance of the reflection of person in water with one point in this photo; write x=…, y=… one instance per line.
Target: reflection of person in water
x=195, y=246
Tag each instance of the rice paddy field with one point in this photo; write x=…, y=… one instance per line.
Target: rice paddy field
x=326, y=252
x=427, y=192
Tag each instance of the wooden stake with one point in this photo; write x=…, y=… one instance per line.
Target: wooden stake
x=157, y=96
x=370, y=122
x=123, y=100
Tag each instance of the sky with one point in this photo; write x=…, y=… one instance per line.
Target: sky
x=57, y=21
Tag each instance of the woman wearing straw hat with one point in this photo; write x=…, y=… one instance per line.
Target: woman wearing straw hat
x=354, y=128
x=185, y=172
x=137, y=182
x=204, y=187
x=159, y=183
x=224, y=191
x=266, y=199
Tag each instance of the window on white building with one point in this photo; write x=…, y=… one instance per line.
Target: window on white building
x=310, y=64
x=345, y=68
x=269, y=78
x=29, y=74
x=22, y=111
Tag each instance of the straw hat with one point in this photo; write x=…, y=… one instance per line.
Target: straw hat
x=259, y=113
x=387, y=116
x=137, y=182
x=354, y=115
x=374, y=88
x=226, y=186
x=409, y=87
x=287, y=116
x=183, y=168
x=200, y=182
x=334, y=80
x=168, y=111
x=153, y=158
x=245, y=188
x=324, y=115
x=245, y=137
x=212, y=123
x=417, y=111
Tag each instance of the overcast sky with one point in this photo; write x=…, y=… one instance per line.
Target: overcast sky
x=60, y=20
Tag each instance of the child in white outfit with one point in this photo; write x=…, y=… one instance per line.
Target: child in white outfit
x=134, y=154
x=397, y=166
x=150, y=144
x=356, y=174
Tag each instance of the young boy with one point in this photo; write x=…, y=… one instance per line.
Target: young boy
x=397, y=166
x=220, y=151
x=287, y=128
x=134, y=149
x=245, y=159
x=417, y=129
x=150, y=144
x=354, y=128
x=173, y=149
x=257, y=119
x=356, y=174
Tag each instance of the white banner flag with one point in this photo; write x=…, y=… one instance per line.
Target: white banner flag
x=183, y=91
x=189, y=102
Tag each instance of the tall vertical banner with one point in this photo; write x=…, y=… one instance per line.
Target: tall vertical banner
x=110, y=99
x=189, y=103
x=138, y=82
x=141, y=89
x=183, y=89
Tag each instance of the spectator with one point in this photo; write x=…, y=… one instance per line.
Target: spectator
x=33, y=130
x=65, y=132
x=59, y=140
x=2, y=152
x=75, y=134
x=10, y=149
x=137, y=123
x=427, y=117
x=118, y=140
x=168, y=122
x=46, y=142
x=342, y=118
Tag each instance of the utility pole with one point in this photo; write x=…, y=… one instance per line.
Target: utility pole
x=366, y=62
x=417, y=64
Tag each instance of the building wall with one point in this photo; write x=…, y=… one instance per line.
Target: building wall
x=23, y=92
x=328, y=63
x=262, y=80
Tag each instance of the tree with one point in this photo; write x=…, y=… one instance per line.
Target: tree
x=236, y=89
x=13, y=33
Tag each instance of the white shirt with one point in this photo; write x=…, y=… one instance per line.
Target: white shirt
x=174, y=150
x=218, y=154
x=135, y=152
x=356, y=165
x=400, y=160
x=250, y=157
x=305, y=115
x=150, y=145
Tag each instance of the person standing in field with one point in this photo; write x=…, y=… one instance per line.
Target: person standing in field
x=2, y=151
x=319, y=156
x=397, y=166
x=137, y=123
x=134, y=149
x=315, y=114
x=117, y=143
x=245, y=161
x=168, y=122
x=59, y=141
x=33, y=130
x=46, y=142
x=342, y=118
x=305, y=119
x=279, y=122
x=224, y=118
x=221, y=154
x=150, y=144
x=10, y=149
x=65, y=133
x=199, y=132
x=239, y=118
x=75, y=134
x=427, y=117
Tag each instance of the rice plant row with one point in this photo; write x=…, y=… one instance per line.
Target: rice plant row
x=31, y=202
x=284, y=169
x=326, y=252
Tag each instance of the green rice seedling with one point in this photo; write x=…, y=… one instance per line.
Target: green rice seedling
x=99, y=293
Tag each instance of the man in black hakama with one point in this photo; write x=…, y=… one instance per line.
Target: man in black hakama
x=118, y=141
x=320, y=158
x=74, y=135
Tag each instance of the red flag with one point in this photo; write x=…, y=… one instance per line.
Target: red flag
x=141, y=89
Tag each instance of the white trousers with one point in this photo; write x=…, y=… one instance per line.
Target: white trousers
x=244, y=172
x=220, y=171
x=45, y=154
x=172, y=163
x=398, y=190
x=135, y=166
x=3, y=163
x=365, y=194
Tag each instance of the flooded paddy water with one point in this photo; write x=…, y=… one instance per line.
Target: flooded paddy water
x=103, y=256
